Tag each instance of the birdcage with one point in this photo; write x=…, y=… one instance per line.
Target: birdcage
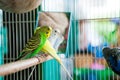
x=92, y=25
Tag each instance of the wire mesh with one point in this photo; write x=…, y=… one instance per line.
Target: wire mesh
x=87, y=37
x=89, y=60
x=20, y=28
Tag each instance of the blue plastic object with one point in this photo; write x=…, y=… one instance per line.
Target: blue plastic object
x=72, y=45
x=3, y=45
x=51, y=70
x=97, y=50
x=3, y=42
x=116, y=21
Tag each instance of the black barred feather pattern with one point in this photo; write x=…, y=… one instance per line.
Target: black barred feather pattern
x=31, y=45
x=35, y=44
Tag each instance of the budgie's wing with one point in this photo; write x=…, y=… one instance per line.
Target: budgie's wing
x=31, y=45
x=50, y=50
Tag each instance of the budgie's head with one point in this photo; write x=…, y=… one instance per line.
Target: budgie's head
x=44, y=30
x=106, y=52
x=109, y=54
x=112, y=57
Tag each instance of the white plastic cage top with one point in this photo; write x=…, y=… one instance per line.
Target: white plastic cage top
x=85, y=9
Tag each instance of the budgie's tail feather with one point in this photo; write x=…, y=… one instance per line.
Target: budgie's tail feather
x=48, y=47
x=20, y=57
x=65, y=69
x=24, y=56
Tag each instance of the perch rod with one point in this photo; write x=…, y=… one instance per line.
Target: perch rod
x=13, y=67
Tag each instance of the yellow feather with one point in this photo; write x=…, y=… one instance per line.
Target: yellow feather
x=47, y=48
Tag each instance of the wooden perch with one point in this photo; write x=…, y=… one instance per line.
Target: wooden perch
x=13, y=67
x=22, y=64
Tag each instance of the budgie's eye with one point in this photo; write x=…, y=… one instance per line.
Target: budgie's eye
x=48, y=29
x=55, y=31
x=113, y=56
x=46, y=32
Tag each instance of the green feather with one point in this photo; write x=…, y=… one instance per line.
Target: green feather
x=35, y=44
x=38, y=49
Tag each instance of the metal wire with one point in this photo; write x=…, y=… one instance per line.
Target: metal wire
x=20, y=28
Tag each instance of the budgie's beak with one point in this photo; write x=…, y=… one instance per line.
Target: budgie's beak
x=50, y=28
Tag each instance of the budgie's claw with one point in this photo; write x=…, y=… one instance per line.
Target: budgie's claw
x=43, y=55
x=38, y=58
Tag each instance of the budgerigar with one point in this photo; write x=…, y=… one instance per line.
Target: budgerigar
x=112, y=57
x=54, y=42
x=36, y=43
x=39, y=42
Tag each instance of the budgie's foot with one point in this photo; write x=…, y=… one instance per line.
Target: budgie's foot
x=42, y=55
x=38, y=58
x=45, y=55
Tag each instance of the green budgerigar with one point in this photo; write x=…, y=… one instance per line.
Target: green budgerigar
x=51, y=44
x=35, y=44
x=39, y=42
